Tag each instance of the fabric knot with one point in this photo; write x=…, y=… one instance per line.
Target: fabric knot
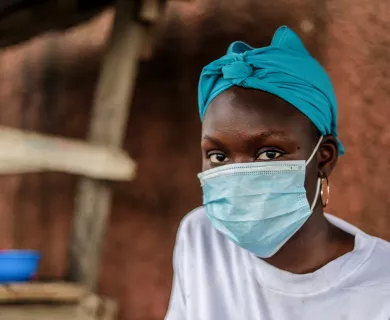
x=237, y=72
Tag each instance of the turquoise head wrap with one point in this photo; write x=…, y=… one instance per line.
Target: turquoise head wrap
x=285, y=69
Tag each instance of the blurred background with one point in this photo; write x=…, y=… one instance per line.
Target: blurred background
x=48, y=80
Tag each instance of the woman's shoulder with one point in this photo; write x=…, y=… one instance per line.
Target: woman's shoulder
x=196, y=230
x=382, y=249
x=195, y=218
x=195, y=222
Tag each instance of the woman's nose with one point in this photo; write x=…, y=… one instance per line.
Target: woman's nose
x=241, y=158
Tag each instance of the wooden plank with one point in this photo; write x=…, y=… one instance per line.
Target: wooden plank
x=42, y=312
x=90, y=308
x=108, y=126
x=42, y=16
x=43, y=292
x=22, y=152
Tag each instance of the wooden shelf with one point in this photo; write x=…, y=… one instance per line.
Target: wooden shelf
x=24, y=152
x=48, y=301
x=42, y=292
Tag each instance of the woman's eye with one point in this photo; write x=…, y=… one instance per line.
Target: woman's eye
x=269, y=155
x=218, y=158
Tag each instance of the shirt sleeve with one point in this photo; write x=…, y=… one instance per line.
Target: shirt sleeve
x=177, y=303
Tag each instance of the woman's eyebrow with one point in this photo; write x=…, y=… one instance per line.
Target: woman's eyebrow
x=256, y=136
x=215, y=141
x=271, y=133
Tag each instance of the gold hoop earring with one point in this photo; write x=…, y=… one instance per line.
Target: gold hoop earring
x=327, y=191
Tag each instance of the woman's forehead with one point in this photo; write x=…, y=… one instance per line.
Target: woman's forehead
x=239, y=109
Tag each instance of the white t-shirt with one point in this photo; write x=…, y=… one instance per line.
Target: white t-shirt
x=217, y=280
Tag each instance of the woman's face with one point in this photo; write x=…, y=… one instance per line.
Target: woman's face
x=246, y=125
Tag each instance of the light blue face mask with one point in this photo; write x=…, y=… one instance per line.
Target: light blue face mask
x=258, y=205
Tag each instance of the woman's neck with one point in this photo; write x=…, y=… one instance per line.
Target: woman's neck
x=317, y=243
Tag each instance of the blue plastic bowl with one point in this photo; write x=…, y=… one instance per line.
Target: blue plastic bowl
x=18, y=265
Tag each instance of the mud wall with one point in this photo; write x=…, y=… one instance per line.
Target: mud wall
x=47, y=84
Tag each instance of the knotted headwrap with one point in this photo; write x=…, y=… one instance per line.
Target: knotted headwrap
x=285, y=69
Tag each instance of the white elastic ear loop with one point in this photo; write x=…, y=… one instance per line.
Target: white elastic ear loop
x=319, y=179
x=316, y=196
x=315, y=150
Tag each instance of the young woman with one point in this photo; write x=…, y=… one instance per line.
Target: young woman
x=261, y=247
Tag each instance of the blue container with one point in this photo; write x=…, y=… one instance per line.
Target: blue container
x=18, y=265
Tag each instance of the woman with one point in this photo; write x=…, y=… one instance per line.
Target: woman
x=261, y=247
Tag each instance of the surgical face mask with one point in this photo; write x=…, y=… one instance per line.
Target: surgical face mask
x=258, y=205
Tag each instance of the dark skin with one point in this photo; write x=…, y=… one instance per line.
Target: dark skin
x=246, y=125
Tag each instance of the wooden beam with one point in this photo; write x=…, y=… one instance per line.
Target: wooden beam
x=42, y=292
x=108, y=126
x=33, y=18
x=92, y=307
x=24, y=151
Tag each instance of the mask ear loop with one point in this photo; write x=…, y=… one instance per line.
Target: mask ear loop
x=315, y=150
x=317, y=194
x=319, y=180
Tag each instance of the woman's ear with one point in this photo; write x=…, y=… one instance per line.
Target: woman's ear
x=327, y=156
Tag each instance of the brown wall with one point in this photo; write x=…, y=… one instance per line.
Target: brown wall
x=47, y=85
